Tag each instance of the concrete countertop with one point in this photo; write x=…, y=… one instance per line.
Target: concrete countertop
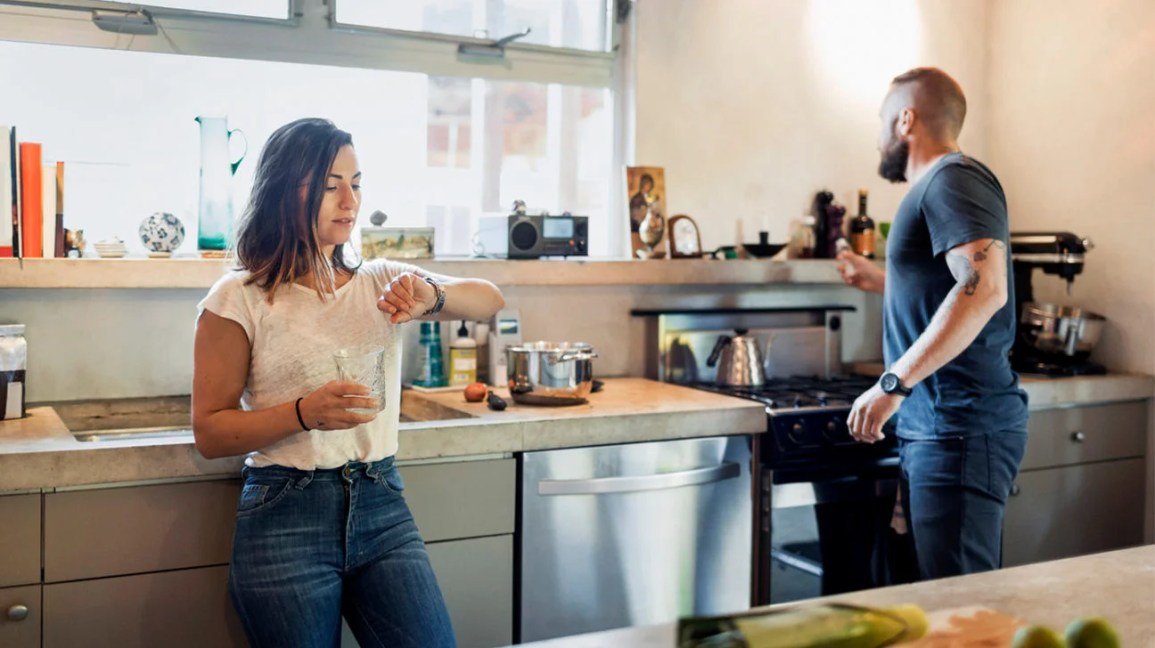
x=40, y=451
x=1047, y=393
x=1119, y=586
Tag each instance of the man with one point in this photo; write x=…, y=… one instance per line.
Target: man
x=948, y=324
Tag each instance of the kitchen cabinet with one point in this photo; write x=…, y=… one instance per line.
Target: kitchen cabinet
x=116, y=531
x=1081, y=486
x=20, y=616
x=19, y=540
x=177, y=609
x=476, y=579
x=148, y=565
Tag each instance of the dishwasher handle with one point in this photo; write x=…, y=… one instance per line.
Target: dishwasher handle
x=660, y=481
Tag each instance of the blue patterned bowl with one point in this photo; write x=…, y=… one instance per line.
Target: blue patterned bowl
x=161, y=232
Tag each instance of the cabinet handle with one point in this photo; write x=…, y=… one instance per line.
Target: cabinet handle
x=1015, y=490
x=18, y=613
x=1078, y=437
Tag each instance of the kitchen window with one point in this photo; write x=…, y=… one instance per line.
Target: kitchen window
x=444, y=139
x=576, y=24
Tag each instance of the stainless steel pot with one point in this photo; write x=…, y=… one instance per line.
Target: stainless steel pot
x=739, y=360
x=550, y=373
x=1062, y=330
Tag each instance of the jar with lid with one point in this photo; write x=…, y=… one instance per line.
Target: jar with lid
x=803, y=240
x=13, y=370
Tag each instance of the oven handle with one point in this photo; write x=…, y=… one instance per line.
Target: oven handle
x=661, y=481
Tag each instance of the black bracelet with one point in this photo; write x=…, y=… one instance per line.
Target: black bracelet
x=300, y=419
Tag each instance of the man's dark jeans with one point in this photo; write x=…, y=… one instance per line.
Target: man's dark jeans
x=954, y=491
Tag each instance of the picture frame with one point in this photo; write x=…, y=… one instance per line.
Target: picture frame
x=397, y=242
x=683, y=238
x=646, y=192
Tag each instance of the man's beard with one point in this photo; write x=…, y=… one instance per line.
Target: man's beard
x=893, y=164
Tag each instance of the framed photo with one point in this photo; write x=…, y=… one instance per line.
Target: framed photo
x=683, y=238
x=646, y=187
x=397, y=242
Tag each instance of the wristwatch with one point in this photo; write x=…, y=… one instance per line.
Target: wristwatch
x=892, y=384
x=440, y=303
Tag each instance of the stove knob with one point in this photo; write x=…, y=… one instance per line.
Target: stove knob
x=796, y=433
x=833, y=432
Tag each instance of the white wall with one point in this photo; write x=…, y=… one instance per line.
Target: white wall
x=1072, y=135
x=754, y=105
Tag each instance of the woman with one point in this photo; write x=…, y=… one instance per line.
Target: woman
x=322, y=529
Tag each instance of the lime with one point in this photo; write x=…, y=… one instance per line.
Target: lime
x=1038, y=636
x=1092, y=632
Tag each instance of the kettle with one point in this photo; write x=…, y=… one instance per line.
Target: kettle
x=739, y=360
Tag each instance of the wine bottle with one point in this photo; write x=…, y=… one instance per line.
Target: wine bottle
x=862, y=229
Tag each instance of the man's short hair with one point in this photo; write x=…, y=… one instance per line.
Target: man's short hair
x=938, y=99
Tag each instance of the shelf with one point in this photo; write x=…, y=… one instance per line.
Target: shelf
x=202, y=273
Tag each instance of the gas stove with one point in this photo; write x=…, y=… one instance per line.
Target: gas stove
x=799, y=393
x=806, y=420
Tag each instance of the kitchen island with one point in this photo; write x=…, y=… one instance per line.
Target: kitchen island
x=1118, y=585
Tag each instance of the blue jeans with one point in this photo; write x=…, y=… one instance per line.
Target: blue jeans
x=313, y=546
x=954, y=492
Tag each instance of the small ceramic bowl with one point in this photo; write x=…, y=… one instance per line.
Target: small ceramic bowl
x=161, y=232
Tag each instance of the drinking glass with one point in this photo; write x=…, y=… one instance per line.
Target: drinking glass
x=365, y=366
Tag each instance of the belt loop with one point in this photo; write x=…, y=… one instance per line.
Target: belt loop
x=304, y=480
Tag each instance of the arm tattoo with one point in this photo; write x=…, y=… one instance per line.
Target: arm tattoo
x=981, y=255
x=964, y=272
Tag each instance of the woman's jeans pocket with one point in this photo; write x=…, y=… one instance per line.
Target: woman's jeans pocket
x=258, y=495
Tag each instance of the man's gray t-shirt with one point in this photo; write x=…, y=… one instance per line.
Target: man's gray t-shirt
x=958, y=201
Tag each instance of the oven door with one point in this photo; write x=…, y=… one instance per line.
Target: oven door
x=827, y=531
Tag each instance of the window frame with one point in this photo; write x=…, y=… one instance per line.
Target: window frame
x=311, y=35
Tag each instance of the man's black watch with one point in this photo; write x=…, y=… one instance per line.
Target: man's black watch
x=892, y=384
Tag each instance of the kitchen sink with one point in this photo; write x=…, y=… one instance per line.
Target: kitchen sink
x=135, y=434
x=168, y=417
x=416, y=409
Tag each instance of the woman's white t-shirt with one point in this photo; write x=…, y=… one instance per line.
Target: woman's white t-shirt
x=293, y=341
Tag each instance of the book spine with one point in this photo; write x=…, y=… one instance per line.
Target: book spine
x=7, y=226
x=31, y=193
x=60, y=252
x=48, y=209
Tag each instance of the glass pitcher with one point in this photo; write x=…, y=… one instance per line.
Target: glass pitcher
x=217, y=168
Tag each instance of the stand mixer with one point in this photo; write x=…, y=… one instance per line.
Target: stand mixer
x=1051, y=340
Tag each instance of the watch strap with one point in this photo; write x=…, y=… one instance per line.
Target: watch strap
x=440, y=291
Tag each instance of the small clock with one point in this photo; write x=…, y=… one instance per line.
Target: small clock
x=684, y=239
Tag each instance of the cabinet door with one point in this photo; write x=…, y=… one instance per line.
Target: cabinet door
x=1076, y=435
x=173, y=609
x=20, y=617
x=19, y=540
x=132, y=530
x=476, y=579
x=1075, y=510
x=466, y=499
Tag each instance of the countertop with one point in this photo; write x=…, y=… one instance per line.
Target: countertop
x=40, y=451
x=1046, y=393
x=1119, y=585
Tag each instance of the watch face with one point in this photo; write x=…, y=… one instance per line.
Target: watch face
x=889, y=382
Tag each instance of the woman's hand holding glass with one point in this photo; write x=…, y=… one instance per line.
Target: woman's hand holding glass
x=328, y=408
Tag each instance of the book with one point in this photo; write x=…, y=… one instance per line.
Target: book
x=31, y=197
x=60, y=251
x=7, y=199
x=48, y=209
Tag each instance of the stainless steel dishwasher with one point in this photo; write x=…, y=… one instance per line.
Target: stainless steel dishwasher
x=625, y=535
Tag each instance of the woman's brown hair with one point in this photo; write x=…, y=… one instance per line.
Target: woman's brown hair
x=277, y=235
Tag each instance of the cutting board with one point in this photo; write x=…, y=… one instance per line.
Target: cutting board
x=968, y=627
